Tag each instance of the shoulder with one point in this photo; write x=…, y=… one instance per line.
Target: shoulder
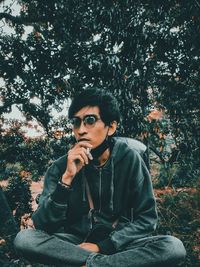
x=125, y=147
x=131, y=144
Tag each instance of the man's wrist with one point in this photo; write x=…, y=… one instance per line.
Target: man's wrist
x=66, y=179
x=65, y=185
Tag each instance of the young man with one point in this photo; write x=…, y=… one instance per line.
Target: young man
x=97, y=207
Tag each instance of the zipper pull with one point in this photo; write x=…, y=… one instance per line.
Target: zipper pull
x=90, y=217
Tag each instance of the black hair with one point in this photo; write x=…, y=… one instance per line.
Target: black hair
x=104, y=100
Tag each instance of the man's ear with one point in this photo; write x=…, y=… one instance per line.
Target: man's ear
x=112, y=128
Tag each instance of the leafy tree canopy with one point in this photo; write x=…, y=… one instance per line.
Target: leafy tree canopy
x=146, y=52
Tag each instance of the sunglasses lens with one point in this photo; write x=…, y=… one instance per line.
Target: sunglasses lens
x=90, y=120
x=76, y=122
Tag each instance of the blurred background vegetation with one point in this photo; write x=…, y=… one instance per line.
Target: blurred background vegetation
x=147, y=53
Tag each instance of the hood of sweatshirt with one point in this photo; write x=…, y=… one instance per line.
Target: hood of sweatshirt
x=122, y=145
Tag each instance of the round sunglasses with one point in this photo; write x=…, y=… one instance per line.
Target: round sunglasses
x=89, y=121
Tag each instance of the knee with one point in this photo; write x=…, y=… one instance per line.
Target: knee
x=175, y=249
x=24, y=240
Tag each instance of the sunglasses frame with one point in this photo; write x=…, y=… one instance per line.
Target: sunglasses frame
x=76, y=121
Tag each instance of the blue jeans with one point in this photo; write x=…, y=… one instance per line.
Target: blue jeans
x=61, y=249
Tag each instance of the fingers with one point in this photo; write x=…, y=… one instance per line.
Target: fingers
x=88, y=148
x=83, y=154
x=80, y=153
x=89, y=246
x=83, y=144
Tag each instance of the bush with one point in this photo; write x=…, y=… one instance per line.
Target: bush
x=18, y=195
x=179, y=216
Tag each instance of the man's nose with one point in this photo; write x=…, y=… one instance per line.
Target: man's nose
x=82, y=129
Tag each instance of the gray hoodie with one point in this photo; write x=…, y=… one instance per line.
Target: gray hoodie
x=122, y=194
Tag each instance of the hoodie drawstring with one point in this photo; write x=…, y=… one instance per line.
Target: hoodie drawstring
x=112, y=186
x=83, y=185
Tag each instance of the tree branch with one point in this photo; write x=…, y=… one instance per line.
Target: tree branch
x=22, y=20
x=157, y=153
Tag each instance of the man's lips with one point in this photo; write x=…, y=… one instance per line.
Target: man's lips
x=83, y=139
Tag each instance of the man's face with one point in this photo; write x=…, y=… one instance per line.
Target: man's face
x=86, y=130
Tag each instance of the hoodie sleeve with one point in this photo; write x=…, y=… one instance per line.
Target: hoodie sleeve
x=52, y=207
x=143, y=207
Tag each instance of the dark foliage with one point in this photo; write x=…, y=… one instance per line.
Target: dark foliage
x=146, y=53
x=19, y=198
x=179, y=216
